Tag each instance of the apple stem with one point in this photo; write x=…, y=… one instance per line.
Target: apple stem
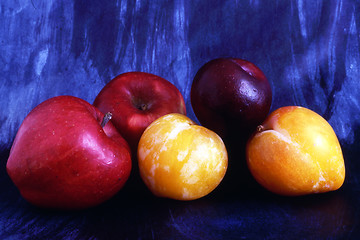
x=106, y=119
x=143, y=107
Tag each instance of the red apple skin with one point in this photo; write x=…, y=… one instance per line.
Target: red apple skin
x=231, y=97
x=62, y=158
x=136, y=99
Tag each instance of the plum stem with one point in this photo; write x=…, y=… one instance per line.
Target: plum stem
x=260, y=128
x=106, y=119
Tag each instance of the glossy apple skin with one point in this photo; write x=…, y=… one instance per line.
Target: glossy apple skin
x=136, y=99
x=62, y=158
x=231, y=97
x=181, y=160
x=296, y=152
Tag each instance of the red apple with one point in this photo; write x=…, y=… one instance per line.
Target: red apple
x=136, y=99
x=231, y=97
x=66, y=156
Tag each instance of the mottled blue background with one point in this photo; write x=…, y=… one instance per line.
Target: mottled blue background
x=309, y=50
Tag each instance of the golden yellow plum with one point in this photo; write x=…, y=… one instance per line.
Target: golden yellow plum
x=296, y=152
x=179, y=159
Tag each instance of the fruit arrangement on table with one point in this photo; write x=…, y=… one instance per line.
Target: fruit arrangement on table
x=70, y=154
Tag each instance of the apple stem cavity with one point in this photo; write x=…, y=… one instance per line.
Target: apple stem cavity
x=106, y=119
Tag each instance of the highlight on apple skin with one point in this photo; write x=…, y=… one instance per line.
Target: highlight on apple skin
x=296, y=152
x=66, y=155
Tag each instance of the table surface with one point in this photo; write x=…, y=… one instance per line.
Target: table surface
x=309, y=51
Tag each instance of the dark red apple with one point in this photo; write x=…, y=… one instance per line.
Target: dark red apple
x=67, y=156
x=136, y=99
x=231, y=97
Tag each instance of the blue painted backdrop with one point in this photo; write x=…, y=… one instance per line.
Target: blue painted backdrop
x=309, y=50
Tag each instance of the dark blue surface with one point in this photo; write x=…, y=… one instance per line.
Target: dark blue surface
x=309, y=50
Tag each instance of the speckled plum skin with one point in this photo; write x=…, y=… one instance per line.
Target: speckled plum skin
x=231, y=97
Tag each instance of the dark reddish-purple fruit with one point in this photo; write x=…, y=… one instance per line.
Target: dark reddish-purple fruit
x=231, y=97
